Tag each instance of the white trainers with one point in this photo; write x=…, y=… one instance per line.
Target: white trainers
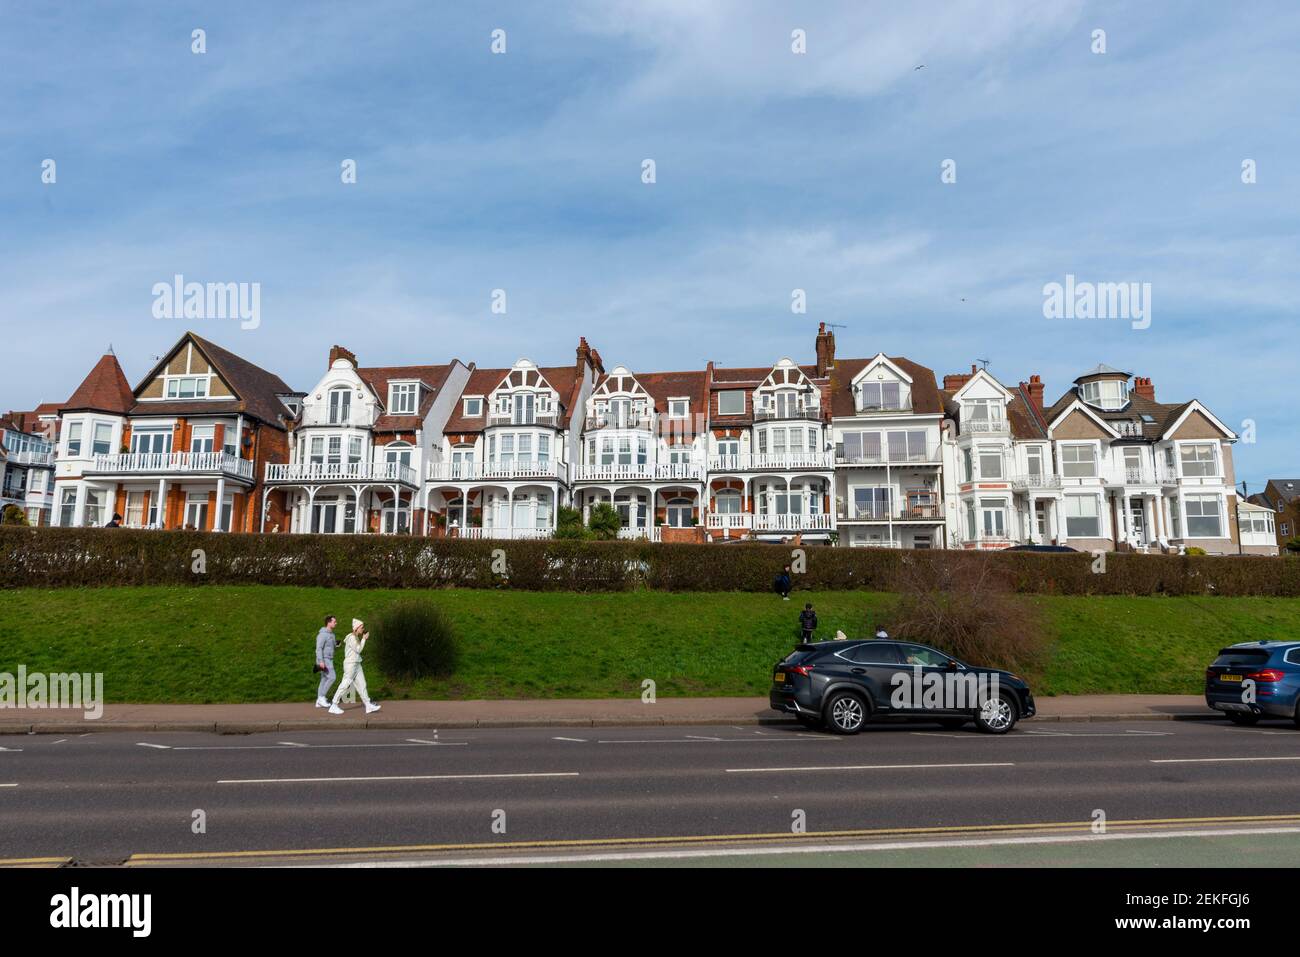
x=322, y=703
x=335, y=709
x=372, y=708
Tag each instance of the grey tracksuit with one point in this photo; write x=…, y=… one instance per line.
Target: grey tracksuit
x=325, y=643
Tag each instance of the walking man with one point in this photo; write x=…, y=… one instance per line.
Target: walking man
x=353, y=676
x=325, y=644
x=807, y=623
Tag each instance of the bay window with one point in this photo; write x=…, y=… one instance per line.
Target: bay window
x=1203, y=513
x=74, y=438
x=103, y=438
x=1082, y=516
x=1198, y=460
x=990, y=463
x=1079, y=461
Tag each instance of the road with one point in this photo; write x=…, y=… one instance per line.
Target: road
x=1171, y=792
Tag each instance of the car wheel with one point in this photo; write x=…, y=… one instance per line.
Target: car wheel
x=809, y=721
x=997, y=715
x=952, y=724
x=845, y=712
x=1243, y=718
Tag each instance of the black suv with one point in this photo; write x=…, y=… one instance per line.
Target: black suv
x=844, y=684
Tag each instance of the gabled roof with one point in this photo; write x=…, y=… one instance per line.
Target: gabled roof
x=1176, y=419
x=256, y=391
x=1161, y=414
x=378, y=379
x=925, y=391
x=1061, y=410
x=563, y=379
x=105, y=389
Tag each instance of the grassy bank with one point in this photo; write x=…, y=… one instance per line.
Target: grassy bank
x=254, y=643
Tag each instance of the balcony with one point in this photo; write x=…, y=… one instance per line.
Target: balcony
x=643, y=423
x=726, y=520
x=649, y=534
x=813, y=414
x=765, y=461
x=29, y=457
x=501, y=533
x=514, y=468
x=547, y=419
x=667, y=472
x=985, y=427
x=131, y=464
x=769, y=523
x=1023, y=482
x=884, y=456
x=312, y=473
x=881, y=512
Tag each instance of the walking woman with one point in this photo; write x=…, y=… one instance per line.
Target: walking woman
x=353, y=676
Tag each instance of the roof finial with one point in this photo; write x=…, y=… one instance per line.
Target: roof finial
x=110, y=351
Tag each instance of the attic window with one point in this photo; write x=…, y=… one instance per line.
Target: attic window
x=1105, y=393
x=1148, y=419
x=679, y=408
x=187, y=387
x=401, y=398
x=474, y=407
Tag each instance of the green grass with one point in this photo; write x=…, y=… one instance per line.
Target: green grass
x=255, y=643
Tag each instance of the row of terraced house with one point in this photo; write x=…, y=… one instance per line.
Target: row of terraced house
x=857, y=452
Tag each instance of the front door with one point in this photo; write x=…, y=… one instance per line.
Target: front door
x=1137, y=520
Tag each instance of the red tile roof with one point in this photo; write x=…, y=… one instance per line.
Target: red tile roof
x=925, y=391
x=105, y=389
x=378, y=378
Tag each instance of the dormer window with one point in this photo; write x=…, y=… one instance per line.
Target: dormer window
x=731, y=402
x=474, y=407
x=880, y=395
x=679, y=408
x=984, y=410
x=1105, y=393
x=402, y=398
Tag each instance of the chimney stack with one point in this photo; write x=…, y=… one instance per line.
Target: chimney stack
x=1034, y=389
x=825, y=349
x=338, y=352
x=1142, y=386
x=955, y=380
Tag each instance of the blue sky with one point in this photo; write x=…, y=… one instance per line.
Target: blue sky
x=775, y=171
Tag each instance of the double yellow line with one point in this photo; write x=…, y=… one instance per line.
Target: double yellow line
x=700, y=839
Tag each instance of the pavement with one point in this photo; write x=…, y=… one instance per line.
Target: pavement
x=1153, y=792
x=555, y=713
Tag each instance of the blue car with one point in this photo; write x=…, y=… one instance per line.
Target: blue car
x=1256, y=679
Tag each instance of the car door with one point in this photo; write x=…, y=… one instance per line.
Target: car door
x=872, y=664
x=932, y=663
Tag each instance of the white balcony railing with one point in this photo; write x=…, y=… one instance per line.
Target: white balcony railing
x=880, y=512
x=724, y=520
x=28, y=457
x=549, y=419
x=886, y=456
x=649, y=533
x=666, y=472
x=813, y=414
x=515, y=468
x=793, y=523
x=641, y=423
x=1035, y=481
x=477, y=532
x=311, y=472
x=175, y=463
x=762, y=461
x=986, y=426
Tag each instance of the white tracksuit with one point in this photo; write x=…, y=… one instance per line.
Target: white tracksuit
x=353, y=676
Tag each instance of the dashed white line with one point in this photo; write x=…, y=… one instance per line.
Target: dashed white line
x=579, y=740
x=402, y=777
x=875, y=767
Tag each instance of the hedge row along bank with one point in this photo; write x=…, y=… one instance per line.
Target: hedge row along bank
x=78, y=557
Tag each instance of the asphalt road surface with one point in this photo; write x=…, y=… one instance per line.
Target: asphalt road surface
x=1170, y=792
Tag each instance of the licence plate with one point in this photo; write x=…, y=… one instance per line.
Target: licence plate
x=779, y=677
x=1230, y=677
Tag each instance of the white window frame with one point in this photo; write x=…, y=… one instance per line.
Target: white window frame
x=731, y=393
x=403, y=398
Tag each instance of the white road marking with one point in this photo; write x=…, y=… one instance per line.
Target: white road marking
x=580, y=740
x=694, y=740
x=1291, y=757
x=160, y=747
x=285, y=745
x=421, y=741
x=874, y=767
x=8, y=785
x=60, y=741
x=403, y=777
x=941, y=734
x=1098, y=734
x=916, y=845
x=292, y=744
x=11, y=750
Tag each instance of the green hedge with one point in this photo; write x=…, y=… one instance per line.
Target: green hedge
x=78, y=557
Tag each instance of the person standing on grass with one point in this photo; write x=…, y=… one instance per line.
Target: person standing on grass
x=781, y=584
x=353, y=676
x=807, y=623
x=325, y=644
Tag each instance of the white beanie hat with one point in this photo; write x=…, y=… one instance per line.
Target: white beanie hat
x=357, y=623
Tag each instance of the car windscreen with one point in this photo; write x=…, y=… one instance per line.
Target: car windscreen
x=1230, y=657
